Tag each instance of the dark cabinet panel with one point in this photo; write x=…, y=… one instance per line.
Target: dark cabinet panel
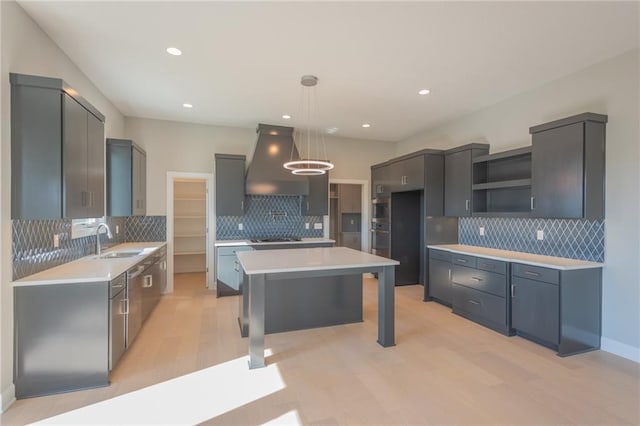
x=380, y=179
x=568, y=167
x=350, y=199
x=535, y=309
x=317, y=202
x=440, y=280
x=407, y=174
x=230, y=185
x=126, y=178
x=57, y=151
x=458, y=200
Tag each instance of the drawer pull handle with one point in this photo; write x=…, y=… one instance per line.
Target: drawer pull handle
x=477, y=279
x=473, y=302
x=513, y=290
x=449, y=274
x=461, y=260
x=534, y=274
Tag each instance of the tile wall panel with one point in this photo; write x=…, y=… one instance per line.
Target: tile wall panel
x=572, y=238
x=32, y=241
x=268, y=216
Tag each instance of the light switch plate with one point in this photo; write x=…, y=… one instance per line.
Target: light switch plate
x=117, y=229
x=481, y=230
x=240, y=227
x=317, y=226
x=306, y=225
x=540, y=234
x=56, y=240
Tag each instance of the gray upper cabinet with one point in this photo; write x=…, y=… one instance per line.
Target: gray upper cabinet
x=457, y=178
x=568, y=167
x=126, y=178
x=230, y=185
x=380, y=181
x=317, y=202
x=350, y=200
x=57, y=151
x=407, y=174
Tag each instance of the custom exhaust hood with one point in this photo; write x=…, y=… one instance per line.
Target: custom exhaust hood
x=265, y=174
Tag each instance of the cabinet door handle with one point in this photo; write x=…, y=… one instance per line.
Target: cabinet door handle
x=461, y=260
x=449, y=274
x=473, y=302
x=532, y=203
x=235, y=266
x=242, y=204
x=125, y=306
x=533, y=274
x=513, y=290
x=477, y=279
x=148, y=281
x=466, y=205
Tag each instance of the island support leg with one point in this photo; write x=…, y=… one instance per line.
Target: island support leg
x=386, y=306
x=256, y=321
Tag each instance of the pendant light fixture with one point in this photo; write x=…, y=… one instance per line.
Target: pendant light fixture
x=308, y=138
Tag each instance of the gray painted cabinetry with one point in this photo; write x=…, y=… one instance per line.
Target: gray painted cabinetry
x=228, y=270
x=407, y=174
x=316, y=203
x=230, y=186
x=439, y=287
x=560, y=309
x=126, y=178
x=380, y=181
x=568, y=167
x=479, y=291
x=458, y=200
x=57, y=151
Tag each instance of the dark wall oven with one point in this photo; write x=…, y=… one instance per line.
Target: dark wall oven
x=380, y=238
x=380, y=210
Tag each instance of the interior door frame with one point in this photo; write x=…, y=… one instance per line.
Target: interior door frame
x=211, y=225
x=365, y=204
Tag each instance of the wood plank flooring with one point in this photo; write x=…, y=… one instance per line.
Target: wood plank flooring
x=443, y=370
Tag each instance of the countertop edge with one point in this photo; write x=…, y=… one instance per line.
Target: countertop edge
x=232, y=243
x=583, y=264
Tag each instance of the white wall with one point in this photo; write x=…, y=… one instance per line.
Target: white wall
x=184, y=147
x=25, y=48
x=612, y=88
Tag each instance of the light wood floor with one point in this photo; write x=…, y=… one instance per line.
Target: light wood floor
x=443, y=370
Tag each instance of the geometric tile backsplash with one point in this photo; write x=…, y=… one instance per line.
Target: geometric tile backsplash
x=573, y=238
x=268, y=216
x=32, y=241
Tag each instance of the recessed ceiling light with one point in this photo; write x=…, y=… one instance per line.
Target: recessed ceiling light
x=424, y=92
x=366, y=125
x=187, y=105
x=286, y=116
x=174, y=51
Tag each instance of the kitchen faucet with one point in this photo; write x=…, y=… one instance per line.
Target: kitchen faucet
x=109, y=235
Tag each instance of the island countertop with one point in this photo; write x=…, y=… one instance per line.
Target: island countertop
x=309, y=259
x=230, y=243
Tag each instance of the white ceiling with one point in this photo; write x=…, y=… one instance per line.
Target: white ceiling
x=242, y=61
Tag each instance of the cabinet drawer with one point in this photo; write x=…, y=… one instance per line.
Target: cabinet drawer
x=491, y=265
x=479, y=304
x=440, y=255
x=230, y=251
x=463, y=259
x=536, y=273
x=489, y=282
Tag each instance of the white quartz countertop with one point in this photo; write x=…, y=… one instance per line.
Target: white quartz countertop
x=91, y=268
x=230, y=243
x=308, y=259
x=519, y=257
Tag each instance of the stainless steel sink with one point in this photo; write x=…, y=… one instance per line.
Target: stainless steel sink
x=120, y=254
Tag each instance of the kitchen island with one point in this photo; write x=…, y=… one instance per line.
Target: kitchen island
x=298, y=265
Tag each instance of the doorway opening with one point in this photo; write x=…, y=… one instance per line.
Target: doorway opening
x=189, y=208
x=348, y=213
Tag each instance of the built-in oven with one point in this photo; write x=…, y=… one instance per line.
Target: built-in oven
x=380, y=210
x=380, y=239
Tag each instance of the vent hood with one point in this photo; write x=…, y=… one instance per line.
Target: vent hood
x=265, y=174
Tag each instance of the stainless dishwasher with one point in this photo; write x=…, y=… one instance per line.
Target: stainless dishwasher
x=135, y=282
x=118, y=319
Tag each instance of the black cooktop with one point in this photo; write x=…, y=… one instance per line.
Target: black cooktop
x=275, y=240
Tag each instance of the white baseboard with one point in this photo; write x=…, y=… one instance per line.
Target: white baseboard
x=7, y=397
x=620, y=349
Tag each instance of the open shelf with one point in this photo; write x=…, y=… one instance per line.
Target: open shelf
x=188, y=253
x=190, y=235
x=502, y=183
x=189, y=217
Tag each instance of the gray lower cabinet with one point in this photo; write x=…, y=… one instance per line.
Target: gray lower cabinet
x=228, y=274
x=57, y=151
x=458, y=198
x=126, y=178
x=479, y=291
x=61, y=338
x=317, y=202
x=230, y=185
x=568, y=161
x=439, y=286
x=560, y=309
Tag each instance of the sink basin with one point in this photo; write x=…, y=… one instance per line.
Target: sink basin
x=120, y=254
